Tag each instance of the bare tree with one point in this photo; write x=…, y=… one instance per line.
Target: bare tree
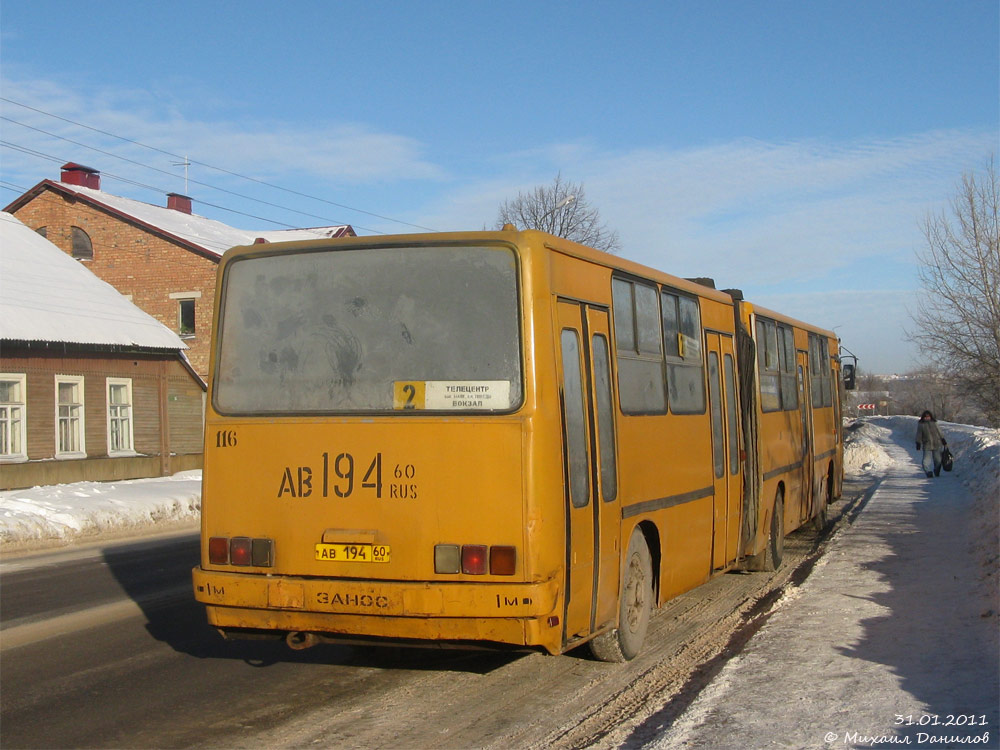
x=560, y=208
x=869, y=382
x=957, y=318
x=927, y=388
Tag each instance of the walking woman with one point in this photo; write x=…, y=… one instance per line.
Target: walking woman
x=929, y=439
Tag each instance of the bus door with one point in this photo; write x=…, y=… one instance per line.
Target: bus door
x=805, y=410
x=593, y=510
x=727, y=466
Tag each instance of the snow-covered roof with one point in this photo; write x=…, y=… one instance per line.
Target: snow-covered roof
x=210, y=235
x=45, y=295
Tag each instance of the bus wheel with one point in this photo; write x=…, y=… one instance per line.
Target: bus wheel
x=820, y=519
x=625, y=641
x=770, y=558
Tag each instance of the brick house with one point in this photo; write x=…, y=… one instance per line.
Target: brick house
x=163, y=258
x=91, y=387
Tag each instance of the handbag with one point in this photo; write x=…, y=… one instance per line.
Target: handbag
x=947, y=462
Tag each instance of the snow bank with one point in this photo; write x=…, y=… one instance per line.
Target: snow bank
x=976, y=449
x=65, y=513
x=862, y=452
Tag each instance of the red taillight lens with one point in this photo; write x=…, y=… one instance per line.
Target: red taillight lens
x=241, y=551
x=218, y=550
x=474, y=559
x=503, y=560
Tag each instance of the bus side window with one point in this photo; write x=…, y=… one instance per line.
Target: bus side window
x=574, y=413
x=822, y=375
x=685, y=369
x=786, y=355
x=605, y=419
x=767, y=366
x=718, y=440
x=638, y=344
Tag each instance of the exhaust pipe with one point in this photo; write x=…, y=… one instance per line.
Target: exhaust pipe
x=301, y=641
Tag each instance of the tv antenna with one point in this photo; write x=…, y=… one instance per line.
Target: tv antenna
x=186, y=164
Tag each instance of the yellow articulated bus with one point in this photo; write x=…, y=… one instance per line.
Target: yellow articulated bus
x=495, y=438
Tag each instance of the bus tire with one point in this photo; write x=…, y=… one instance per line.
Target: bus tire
x=770, y=559
x=636, y=602
x=820, y=519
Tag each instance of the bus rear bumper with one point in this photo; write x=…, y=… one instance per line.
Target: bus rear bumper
x=520, y=614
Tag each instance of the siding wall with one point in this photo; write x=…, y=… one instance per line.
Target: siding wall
x=167, y=413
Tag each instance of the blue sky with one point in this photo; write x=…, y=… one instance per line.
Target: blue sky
x=788, y=148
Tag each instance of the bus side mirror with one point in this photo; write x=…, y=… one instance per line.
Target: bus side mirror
x=849, y=373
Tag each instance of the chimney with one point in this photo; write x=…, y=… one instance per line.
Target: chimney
x=77, y=174
x=179, y=202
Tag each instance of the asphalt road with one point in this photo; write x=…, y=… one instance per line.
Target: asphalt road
x=106, y=648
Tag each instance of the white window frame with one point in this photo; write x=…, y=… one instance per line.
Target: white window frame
x=81, y=452
x=7, y=418
x=127, y=382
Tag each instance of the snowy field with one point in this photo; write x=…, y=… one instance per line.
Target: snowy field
x=86, y=511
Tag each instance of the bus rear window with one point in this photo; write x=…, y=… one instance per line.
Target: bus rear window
x=370, y=330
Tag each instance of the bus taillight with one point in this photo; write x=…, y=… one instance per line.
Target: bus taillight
x=241, y=551
x=502, y=561
x=473, y=559
x=218, y=550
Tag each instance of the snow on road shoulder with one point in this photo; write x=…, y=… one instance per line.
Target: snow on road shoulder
x=977, y=466
x=66, y=513
x=863, y=453
x=861, y=640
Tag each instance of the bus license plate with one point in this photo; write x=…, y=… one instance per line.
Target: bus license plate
x=366, y=553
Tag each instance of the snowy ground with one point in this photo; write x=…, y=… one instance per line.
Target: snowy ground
x=88, y=511
x=893, y=638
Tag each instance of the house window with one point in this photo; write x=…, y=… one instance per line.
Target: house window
x=186, y=312
x=83, y=249
x=120, y=416
x=186, y=317
x=12, y=421
x=69, y=417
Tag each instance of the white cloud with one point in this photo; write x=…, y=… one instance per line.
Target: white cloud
x=335, y=154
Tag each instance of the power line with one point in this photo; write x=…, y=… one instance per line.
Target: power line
x=218, y=169
x=171, y=174
x=127, y=181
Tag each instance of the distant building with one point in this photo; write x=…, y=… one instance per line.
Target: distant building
x=164, y=259
x=91, y=387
